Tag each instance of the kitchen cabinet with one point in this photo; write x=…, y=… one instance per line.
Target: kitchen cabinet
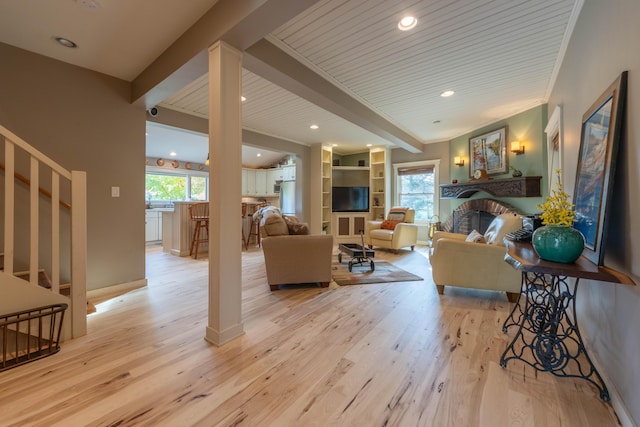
x=289, y=173
x=259, y=182
x=245, y=182
x=273, y=175
x=153, y=226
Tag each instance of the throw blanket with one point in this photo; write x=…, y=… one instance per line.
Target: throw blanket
x=265, y=212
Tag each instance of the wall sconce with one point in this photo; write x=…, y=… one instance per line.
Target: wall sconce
x=517, y=147
x=458, y=161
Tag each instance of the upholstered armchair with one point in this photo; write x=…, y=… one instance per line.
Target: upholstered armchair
x=396, y=232
x=476, y=261
x=291, y=254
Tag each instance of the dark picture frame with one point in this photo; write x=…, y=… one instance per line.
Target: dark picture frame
x=489, y=152
x=599, y=141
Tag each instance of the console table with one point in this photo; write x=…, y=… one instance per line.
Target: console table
x=548, y=338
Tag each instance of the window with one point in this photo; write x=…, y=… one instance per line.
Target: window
x=162, y=186
x=416, y=187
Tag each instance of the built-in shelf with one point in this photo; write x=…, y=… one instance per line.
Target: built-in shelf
x=525, y=186
x=350, y=168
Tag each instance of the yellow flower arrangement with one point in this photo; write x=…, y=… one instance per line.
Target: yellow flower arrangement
x=557, y=210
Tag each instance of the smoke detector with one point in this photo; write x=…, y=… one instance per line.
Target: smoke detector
x=89, y=4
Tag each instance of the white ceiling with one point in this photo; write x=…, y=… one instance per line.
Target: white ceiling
x=499, y=56
x=191, y=147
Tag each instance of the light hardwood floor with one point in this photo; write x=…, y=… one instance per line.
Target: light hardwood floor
x=394, y=354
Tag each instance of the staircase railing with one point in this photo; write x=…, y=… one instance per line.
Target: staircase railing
x=77, y=180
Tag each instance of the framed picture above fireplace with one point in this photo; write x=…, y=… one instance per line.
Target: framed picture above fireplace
x=489, y=152
x=601, y=132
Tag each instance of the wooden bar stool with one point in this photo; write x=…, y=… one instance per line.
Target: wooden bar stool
x=254, y=229
x=200, y=216
x=244, y=214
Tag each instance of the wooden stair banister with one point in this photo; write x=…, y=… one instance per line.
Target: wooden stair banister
x=42, y=191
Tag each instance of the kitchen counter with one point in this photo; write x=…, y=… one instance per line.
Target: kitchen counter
x=177, y=229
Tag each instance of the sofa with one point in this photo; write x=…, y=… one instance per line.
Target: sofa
x=291, y=254
x=396, y=232
x=476, y=260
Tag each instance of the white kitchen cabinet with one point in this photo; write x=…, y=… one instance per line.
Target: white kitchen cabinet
x=153, y=226
x=251, y=182
x=273, y=175
x=245, y=182
x=289, y=173
x=261, y=182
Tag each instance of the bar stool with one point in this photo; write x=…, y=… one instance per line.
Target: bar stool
x=200, y=216
x=254, y=229
x=244, y=214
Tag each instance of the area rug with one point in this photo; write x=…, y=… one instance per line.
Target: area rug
x=384, y=272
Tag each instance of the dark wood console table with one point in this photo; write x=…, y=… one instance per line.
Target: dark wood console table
x=548, y=338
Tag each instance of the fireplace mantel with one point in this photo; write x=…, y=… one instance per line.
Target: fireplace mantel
x=525, y=186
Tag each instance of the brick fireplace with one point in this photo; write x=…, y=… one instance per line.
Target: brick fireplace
x=476, y=214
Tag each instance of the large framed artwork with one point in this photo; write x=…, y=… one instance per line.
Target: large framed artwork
x=488, y=152
x=554, y=133
x=599, y=141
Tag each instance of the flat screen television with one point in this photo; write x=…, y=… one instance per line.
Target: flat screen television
x=350, y=199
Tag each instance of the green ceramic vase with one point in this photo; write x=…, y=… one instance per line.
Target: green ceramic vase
x=558, y=243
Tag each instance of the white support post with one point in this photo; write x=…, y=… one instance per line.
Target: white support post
x=78, y=253
x=225, y=188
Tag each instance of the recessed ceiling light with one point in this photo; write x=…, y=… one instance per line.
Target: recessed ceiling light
x=65, y=42
x=334, y=145
x=314, y=127
x=447, y=93
x=369, y=145
x=259, y=154
x=407, y=23
x=242, y=98
x=173, y=154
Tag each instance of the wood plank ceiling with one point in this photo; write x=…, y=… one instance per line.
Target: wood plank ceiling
x=499, y=56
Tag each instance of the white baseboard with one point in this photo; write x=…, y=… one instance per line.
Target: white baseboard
x=117, y=289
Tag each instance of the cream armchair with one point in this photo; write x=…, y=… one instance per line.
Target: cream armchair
x=396, y=232
x=481, y=265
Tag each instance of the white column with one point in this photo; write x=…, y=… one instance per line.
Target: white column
x=225, y=187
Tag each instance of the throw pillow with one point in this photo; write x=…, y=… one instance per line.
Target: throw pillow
x=275, y=225
x=475, y=237
x=389, y=225
x=397, y=214
x=299, y=228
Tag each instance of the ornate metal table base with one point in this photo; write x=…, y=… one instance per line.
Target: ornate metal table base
x=548, y=338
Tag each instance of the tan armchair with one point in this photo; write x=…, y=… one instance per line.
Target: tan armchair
x=481, y=265
x=291, y=255
x=298, y=259
x=396, y=232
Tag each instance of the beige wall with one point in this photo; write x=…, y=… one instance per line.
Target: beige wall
x=526, y=127
x=603, y=45
x=84, y=121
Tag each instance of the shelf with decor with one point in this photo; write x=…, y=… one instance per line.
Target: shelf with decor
x=326, y=189
x=378, y=182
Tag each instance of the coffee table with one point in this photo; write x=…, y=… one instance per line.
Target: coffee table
x=358, y=253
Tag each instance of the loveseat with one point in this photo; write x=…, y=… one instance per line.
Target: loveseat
x=291, y=254
x=475, y=260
